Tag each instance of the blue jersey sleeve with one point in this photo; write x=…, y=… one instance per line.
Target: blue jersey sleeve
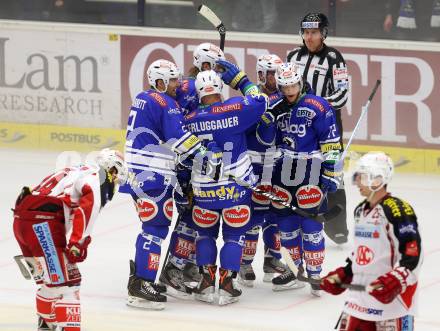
x=187, y=96
x=325, y=125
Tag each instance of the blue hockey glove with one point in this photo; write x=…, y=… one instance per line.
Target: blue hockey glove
x=235, y=78
x=331, y=175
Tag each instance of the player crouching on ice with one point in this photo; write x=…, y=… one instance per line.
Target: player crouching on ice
x=387, y=255
x=303, y=128
x=70, y=199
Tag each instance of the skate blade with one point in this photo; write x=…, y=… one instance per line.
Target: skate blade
x=290, y=286
x=316, y=293
x=209, y=297
x=172, y=292
x=145, y=304
x=226, y=299
x=267, y=278
x=244, y=282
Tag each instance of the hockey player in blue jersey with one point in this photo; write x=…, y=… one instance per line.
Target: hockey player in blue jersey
x=204, y=58
x=303, y=126
x=225, y=123
x=265, y=68
x=155, y=135
x=181, y=268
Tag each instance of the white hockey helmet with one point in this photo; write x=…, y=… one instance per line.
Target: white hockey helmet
x=162, y=69
x=207, y=52
x=109, y=158
x=208, y=82
x=375, y=168
x=288, y=74
x=265, y=63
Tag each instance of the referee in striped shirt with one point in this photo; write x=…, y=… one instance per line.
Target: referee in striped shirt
x=325, y=71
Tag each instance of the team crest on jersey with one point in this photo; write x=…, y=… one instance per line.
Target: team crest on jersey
x=308, y=196
x=205, y=218
x=364, y=255
x=260, y=198
x=147, y=209
x=168, y=209
x=160, y=100
x=282, y=193
x=237, y=216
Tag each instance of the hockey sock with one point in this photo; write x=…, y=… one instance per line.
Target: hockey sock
x=68, y=311
x=182, y=245
x=250, y=245
x=148, y=249
x=206, y=251
x=230, y=254
x=271, y=238
x=314, y=246
x=46, y=299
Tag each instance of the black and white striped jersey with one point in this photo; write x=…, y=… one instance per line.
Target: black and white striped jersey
x=325, y=71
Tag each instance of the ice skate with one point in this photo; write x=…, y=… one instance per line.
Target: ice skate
x=142, y=293
x=191, y=273
x=172, y=277
x=271, y=267
x=246, y=275
x=43, y=326
x=228, y=293
x=206, y=288
x=286, y=281
x=315, y=289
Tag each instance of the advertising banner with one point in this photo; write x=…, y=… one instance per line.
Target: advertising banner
x=63, y=78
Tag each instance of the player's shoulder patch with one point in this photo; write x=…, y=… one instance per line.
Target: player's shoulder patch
x=190, y=115
x=226, y=108
x=158, y=98
x=317, y=104
x=396, y=207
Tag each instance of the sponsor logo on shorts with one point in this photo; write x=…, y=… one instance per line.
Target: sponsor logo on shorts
x=147, y=209
x=260, y=198
x=168, y=209
x=281, y=193
x=237, y=216
x=205, y=218
x=308, y=196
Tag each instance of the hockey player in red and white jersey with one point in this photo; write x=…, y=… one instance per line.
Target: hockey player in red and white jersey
x=52, y=225
x=387, y=255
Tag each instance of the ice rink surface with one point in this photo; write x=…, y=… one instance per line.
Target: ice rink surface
x=105, y=272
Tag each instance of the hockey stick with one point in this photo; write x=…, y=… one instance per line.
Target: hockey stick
x=321, y=218
x=300, y=276
x=340, y=163
x=364, y=111
x=22, y=266
x=213, y=18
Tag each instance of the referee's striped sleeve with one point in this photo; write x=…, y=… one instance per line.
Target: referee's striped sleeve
x=340, y=82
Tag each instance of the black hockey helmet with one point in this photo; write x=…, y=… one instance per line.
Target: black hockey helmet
x=315, y=21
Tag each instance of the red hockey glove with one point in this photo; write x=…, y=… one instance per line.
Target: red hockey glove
x=331, y=282
x=77, y=252
x=387, y=287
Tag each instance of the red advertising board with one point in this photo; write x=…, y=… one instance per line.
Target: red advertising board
x=404, y=113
